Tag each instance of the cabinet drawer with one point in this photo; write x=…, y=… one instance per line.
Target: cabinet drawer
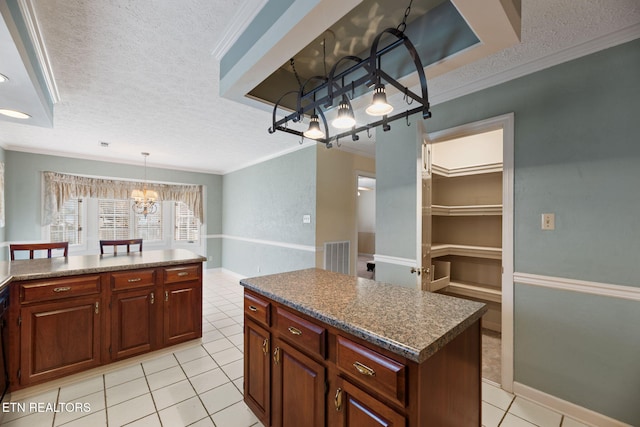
x=53, y=289
x=257, y=308
x=133, y=279
x=301, y=332
x=181, y=274
x=371, y=368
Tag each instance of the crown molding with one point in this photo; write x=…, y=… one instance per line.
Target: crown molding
x=239, y=23
x=595, y=45
x=33, y=28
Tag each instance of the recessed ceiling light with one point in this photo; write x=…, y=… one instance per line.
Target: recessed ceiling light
x=3, y=78
x=13, y=113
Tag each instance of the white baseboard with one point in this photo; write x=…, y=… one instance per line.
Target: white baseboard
x=231, y=273
x=579, y=413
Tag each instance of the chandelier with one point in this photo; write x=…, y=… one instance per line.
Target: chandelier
x=361, y=76
x=144, y=201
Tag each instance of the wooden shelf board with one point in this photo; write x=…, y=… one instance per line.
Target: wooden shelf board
x=464, y=171
x=469, y=210
x=443, y=249
x=474, y=290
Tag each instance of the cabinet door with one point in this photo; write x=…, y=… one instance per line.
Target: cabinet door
x=182, y=312
x=352, y=407
x=133, y=322
x=59, y=338
x=257, y=370
x=298, y=388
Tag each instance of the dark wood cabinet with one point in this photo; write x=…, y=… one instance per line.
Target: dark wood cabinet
x=65, y=325
x=133, y=322
x=4, y=342
x=298, y=388
x=352, y=407
x=257, y=362
x=321, y=376
x=133, y=313
x=59, y=338
x=182, y=304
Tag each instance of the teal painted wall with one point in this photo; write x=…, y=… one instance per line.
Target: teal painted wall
x=3, y=229
x=266, y=202
x=396, y=181
x=23, y=174
x=577, y=155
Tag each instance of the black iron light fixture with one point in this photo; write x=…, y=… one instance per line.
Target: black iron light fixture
x=338, y=85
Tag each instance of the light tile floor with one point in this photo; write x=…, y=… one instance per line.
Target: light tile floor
x=202, y=385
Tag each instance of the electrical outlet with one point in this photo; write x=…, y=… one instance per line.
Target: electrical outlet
x=548, y=221
x=306, y=219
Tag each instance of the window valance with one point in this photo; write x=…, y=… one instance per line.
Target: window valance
x=59, y=187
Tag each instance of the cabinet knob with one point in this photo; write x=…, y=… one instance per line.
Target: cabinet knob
x=337, y=400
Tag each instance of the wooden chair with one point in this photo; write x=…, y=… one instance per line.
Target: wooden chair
x=116, y=243
x=32, y=247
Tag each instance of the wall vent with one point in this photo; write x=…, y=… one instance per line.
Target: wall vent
x=336, y=256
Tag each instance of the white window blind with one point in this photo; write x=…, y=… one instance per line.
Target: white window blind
x=187, y=226
x=113, y=219
x=67, y=223
x=149, y=227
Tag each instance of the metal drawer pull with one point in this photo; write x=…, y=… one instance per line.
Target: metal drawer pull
x=338, y=399
x=253, y=308
x=62, y=289
x=182, y=274
x=295, y=331
x=364, y=369
x=137, y=279
x=97, y=309
x=276, y=355
x=153, y=297
x=166, y=295
x=265, y=346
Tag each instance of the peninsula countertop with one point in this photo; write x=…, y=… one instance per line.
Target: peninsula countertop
x=44, y=268
x=409, y=322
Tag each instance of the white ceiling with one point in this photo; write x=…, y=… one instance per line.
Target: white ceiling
x=141, y=76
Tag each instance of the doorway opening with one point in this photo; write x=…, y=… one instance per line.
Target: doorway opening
x=366, y=226
x=467, y=228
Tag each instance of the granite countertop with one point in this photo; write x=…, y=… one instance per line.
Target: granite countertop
x=44, y=268
x=409, y=322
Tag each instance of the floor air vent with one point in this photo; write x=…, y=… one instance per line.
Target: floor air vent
x=336, y=256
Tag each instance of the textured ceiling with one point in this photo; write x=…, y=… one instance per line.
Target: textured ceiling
x=140, y=76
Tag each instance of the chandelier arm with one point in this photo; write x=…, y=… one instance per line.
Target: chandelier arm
x=416, y=61
x=273, y=127
x=302, y=95
x=383, y=121
x=330, y=80
x=326, y=127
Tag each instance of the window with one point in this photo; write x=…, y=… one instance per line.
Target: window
x=67, y=224
x=113, y=219
x=187, y=226
x=149, y=227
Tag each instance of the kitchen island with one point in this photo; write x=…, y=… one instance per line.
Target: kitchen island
x=327, y=349
x=69, y=314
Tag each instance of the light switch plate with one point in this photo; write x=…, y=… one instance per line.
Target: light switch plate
x=306, y=219
x=548, y=221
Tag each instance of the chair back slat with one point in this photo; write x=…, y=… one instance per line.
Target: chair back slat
x=115, y=243
x=33, y=247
